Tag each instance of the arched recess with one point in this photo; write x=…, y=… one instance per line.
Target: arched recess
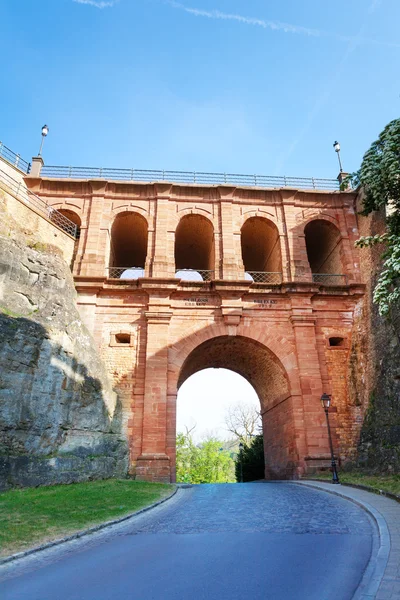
x=261, y=251
x=265, y=372
x=128, y=245
x=75, y=218
x=194, y=245
x=324, y=248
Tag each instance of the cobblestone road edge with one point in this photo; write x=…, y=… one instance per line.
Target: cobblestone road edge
x=375, y=572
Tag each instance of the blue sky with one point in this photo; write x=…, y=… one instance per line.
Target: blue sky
x=263, y=86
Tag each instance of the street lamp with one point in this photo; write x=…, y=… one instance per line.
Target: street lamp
x=326, y=401
x=45, y=131
x=241, y=461
x=336, y=146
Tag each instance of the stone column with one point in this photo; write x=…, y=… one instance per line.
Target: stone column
x=316, y=437
x=297, y=250
x=154, y=463
x=163, y=260
x=229, y=255
x=94, y=260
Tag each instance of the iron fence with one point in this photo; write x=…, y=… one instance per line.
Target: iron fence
x=127, y=273
x=14, y=159
x=153, y=176
x=27, y=197
x=264, y=277
x=195, y=274
x=329, y=279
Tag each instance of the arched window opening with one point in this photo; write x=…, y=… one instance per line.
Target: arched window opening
x=194, y=249
x=261, y=252
x=324, y=251
x=74, y=218
x=71, y=216
x=128, y=246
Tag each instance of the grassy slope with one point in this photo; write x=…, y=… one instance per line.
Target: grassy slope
x=388, y=483
x=34, y=515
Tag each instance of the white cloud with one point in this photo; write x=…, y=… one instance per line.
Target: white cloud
x=98, y=3
x=265, y=24
x=280, y=26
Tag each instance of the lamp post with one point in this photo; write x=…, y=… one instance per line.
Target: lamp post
x=326, y=401
x=45, y=131
x=241, y=461
x=336, y=146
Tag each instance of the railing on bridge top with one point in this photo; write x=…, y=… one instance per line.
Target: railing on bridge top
x=14, y=159
x=152, y=176
x=27, y=197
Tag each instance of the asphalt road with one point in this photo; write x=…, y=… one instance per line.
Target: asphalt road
x=277, y=541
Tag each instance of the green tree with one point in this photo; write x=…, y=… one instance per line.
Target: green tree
x=206, y=462
x=379, y=176
x=251, y=460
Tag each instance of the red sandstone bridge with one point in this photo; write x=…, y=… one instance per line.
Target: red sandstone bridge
x=181, y=272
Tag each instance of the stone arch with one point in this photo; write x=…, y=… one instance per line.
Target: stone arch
x=130, y=208
x=314, y=215
x=263, y=214
x=264, y=370
x=324, y=247
x=194, y=243
x=194, y=210
x=260, y=242
x=128, y=243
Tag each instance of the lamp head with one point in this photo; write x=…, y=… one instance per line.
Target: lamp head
x=45, y=130
x=336, y=146
x=325, y=401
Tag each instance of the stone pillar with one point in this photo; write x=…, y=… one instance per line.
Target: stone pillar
x=229, y=255
x=36, y=166
x=163, y=261
x=316, y=437
x=94, y=260
x=154, y=463
x=296, y=241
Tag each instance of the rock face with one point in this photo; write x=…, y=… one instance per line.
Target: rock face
x=60, y=419
x=374, y=367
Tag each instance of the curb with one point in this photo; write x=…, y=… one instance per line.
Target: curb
x=375, y=570
x=84, y=532
x=365, y=488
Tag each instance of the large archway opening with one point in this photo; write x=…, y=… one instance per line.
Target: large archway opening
x=263, y=370
x=218, y=414
x=261, y=252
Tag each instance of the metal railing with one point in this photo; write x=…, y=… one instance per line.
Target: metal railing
x=194, y=274
x=264, y=277
x=30, y=199
x=127, y=273
x=152, y=176
x=14, y=159
x=329, y=279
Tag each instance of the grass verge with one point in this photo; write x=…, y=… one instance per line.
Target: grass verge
x=32, y=516
x=388, y=483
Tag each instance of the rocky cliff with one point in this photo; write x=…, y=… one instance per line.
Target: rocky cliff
x=59, y=416
x=374, y=366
